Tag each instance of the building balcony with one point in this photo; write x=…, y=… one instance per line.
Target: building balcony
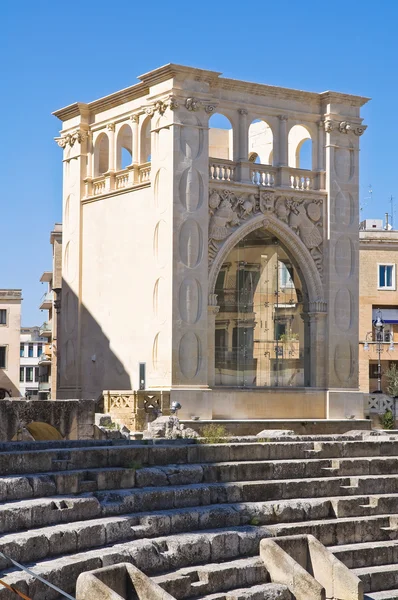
x=45, y=358
x=45, y=386
x=45, y=330
x=220, y=170
x=47, y=301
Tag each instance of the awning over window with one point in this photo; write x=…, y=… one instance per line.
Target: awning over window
x=389, y=315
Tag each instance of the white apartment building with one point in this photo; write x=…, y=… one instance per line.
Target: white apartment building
x=32, y=349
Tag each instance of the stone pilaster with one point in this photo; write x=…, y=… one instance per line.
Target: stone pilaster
x=342, y=179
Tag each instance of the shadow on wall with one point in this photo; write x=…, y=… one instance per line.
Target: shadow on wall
x=7, y=387
x=86, y=362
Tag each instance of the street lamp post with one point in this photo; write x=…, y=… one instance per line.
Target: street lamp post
x=378, y=324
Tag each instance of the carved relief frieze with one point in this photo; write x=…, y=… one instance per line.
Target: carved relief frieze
x=228, y=210
x=70, y=138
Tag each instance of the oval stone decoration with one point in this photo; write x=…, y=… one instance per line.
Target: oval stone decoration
x=343, y=361
x=191, y=142
x=159, y=304
x=161, y=190
x=70, y=262
x=190, y=300
x=342, y=309
x=191, y=189
x=344, y=209
x=70, y=360
x=343, y=164
x=163, y=141
x=189, y=354
x=160, y=246
x=344, y=257
x=155, y=347
x=190, y=243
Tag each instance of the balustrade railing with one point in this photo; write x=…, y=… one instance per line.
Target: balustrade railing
x=122, y=180
x=301, y=180
x=99, y=186
x=145, y=172
x=263, y=175
x=222, y=170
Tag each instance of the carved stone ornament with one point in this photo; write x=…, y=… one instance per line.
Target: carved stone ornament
x=111, y=126
x=192, y=104
x=71, y=138
x=134, y=118
x=344, y=127
x=243, y=112
x=228, y=210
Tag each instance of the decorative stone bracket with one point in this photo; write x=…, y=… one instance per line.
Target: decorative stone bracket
x=70, y=138
x=344, y=127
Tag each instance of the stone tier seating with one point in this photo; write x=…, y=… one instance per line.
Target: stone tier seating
x=192, y=516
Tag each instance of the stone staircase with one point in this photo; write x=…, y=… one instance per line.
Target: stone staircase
x=192, y=515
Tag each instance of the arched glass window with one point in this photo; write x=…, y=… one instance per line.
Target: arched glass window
x=259, y=332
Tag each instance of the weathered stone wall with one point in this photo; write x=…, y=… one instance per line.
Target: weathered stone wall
x=74, y=419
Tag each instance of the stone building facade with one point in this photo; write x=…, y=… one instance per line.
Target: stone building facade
x=10, y=329
x=205, y=261
x=378, y=291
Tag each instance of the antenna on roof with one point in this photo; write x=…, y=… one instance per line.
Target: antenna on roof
x=368, y=199
x=392, y=211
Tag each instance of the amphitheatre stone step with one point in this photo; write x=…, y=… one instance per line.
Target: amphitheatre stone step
x=154, y=556
x=214, y=577
x=38, y=512
x=64, y=482
x=265, y=591
x=101, y=456
x=337, y=531
x=378, y=578
x=166, y=497
x=385, y=595
x=367, y=554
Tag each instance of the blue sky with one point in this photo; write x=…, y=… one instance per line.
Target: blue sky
x=54, y=53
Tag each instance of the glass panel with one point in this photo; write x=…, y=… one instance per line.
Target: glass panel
x=389, y=275
x=259, y=337
x=381, y=276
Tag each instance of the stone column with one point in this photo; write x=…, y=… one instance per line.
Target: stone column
x=243, y=148
x=212, y=311
x=110, y=174
x=342, y=258
x=317, y=338
x=75, y=147
x=283, y=154
x=320, y=166
x=190, y=242
x=135, y=148
x=134, y=173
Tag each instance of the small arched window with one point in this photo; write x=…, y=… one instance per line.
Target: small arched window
x=124, y=147
x=101, y=155
x=300, y=148
x=261, y=141
x=220, y=137
x=145, y=153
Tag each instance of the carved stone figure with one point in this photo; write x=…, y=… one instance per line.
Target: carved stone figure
x=266, y=202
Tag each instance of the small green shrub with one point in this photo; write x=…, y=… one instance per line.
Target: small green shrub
x=387, y=420
x=133, y=465
x=391, y=375
x=254, y=521
x=214, y=434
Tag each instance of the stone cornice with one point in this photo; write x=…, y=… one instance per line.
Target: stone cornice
x=172, y=71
